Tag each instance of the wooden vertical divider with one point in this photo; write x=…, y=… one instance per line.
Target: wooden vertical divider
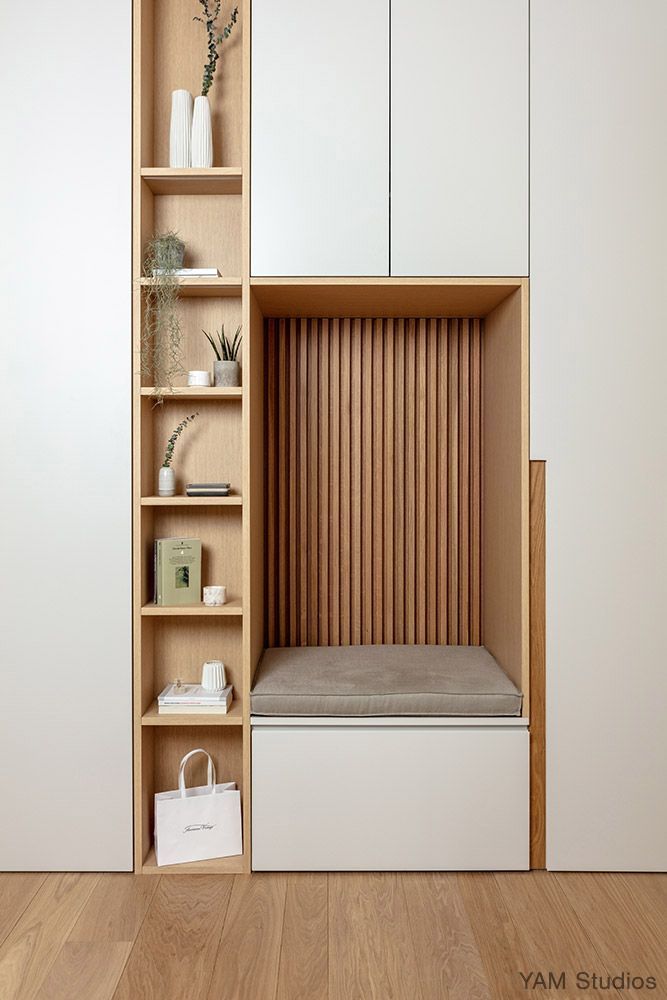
x=537, y=664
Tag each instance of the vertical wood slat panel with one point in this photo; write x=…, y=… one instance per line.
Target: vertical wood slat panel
x=373, y=471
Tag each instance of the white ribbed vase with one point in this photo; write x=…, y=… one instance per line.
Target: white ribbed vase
x=180, y=131
x=202, y=134
x=166, y=486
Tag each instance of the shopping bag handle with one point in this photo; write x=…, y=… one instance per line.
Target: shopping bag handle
x=181, y=772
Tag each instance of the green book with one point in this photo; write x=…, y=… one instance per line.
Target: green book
x=177, y=571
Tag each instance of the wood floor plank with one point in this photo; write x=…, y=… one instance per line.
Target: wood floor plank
x=304, y=958
x=16, y=891
x=624, y=934
x=31, y=947
x=371, y=956
x=91, y=961
x=246, y=967
x=550, y=933
x=494, y=932
x=115, y=910
x=448, y=960
x=86, y=969
x=173, y=955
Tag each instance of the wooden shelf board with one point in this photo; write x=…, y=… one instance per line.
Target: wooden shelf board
x=192, y=180
x=209, y=287
x=188, y=610
x=194, y=392
x=185, y=501
x=381, y=297
x=217, y=866
x=234, y=717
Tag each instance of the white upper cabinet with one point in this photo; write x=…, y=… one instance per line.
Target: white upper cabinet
x=320, y=138
x=459, y=137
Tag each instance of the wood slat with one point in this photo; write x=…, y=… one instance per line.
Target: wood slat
x=373, y=470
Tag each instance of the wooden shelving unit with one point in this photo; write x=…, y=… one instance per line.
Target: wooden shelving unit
x=209, y=210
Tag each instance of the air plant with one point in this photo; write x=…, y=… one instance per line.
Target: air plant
x=225, y=350
x=210, y=15
x=161, y=334
x=171, y=443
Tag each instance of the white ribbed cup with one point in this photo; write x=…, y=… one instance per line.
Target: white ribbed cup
x=180, y=131
x=202, y=134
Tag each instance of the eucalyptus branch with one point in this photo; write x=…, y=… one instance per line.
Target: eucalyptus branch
x=211, y=12
x=171, y=443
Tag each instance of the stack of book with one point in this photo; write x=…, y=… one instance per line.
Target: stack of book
x=208, y=489
x=185, y=699
x=188, y=272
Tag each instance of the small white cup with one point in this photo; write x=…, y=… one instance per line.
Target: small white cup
x=213, y=676
x=199, y=378
x=215, y=596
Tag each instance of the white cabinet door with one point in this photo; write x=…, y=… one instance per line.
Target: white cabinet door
x=320, y=138
x=598, y=360
x=389, y=798
x=459, y=137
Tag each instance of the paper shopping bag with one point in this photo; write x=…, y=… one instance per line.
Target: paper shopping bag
x=196, y=824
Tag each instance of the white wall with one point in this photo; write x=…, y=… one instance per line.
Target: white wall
x=599, y=364
x=65, y=710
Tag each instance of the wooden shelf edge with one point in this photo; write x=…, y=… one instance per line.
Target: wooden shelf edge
x=232, y=718
x=193, y=180
x=236, y=865
x=214, y=287
x=232, y=608
x=193, y=392
x=186, y=501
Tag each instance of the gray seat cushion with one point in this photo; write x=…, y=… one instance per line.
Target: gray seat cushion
x=383, y=680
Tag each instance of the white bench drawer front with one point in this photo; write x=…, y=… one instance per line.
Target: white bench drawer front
x=387, y=798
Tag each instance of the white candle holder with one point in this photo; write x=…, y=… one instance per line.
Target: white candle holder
x=215, y=596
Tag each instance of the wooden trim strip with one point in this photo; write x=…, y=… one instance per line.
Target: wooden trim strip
x=537, y=664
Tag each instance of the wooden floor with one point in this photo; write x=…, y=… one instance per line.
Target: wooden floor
x=343, y=936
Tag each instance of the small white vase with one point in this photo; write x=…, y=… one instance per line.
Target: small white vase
x=226, y=373
x=180, y=131
x=166, y=486
x=202, y=134
x=213, y=677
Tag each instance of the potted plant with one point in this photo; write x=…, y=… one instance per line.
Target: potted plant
x=167, y=477
x=226, y=368
x=161, y=334
x=202, y=136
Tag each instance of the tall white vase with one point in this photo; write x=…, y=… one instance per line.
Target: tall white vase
x=202, y=134
x=180, y=131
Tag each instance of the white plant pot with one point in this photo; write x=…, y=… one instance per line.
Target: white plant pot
x=166, y=486
x=180, y=131
x=202, y=134
x=226, y=373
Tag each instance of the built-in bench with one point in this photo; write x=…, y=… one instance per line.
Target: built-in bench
x=388, y=758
